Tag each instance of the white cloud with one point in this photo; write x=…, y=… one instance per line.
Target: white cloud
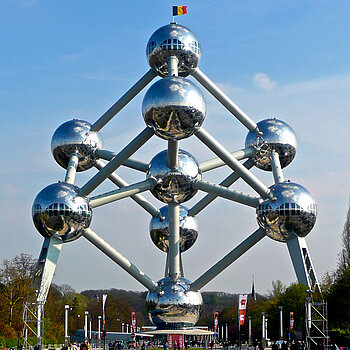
x=263, y=81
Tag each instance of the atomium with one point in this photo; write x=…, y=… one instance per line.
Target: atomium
x=75, y=136
x=159, y=230
x=174, y=109
x=175, y=306
x=60, y=210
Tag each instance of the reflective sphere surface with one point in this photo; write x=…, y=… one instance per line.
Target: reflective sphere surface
x=276, y=135
x=175, y=186
x=75, y=136
x=173, y=40
x=292, y=212
x=59, y=209
x=159, y=230
x=175, y=307
x=174, y=107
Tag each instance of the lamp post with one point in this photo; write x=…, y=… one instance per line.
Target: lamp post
x=281, y=322
x=86, y=325
x=250, y=329
x=123, y=327
x=66, y=337
x=78, y=322
x=99, y=327
x=263, y=326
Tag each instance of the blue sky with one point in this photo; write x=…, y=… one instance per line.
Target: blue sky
x=65, y=59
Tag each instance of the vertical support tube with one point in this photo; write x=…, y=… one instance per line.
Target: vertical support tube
x=72, y=168
x=173, y=154
x=124, y=100
x=276, y=167
x=173, y=66
x=90, y=331
x=174, y=241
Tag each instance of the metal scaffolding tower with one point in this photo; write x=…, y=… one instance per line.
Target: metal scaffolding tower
x=316, y=323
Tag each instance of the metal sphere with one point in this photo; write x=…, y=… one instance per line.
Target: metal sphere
x=173, y=40
x=174, y=307
x=174, y=107
x=292, y=212
x=159, y=230
x=276, y=135
x=175, y=186
x=75, y=136
x=60, y=210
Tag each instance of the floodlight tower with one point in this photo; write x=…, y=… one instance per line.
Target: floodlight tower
x=174, y=109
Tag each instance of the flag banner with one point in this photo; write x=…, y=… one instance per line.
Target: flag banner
x=291, y=320
x=216, y=321
x=179, y=10
x=242, y=307
x=104, y=297
x=133, y=321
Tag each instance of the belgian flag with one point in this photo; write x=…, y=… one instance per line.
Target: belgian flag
x=179, y=10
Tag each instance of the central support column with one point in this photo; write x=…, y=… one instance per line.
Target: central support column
x=174, y=241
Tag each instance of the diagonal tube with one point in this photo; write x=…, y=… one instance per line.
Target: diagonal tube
x=224, y=192
x=205, y=201
x=233, y=163
x=115, y=163
x=224, y=100
x=227, y=260
x=138, y=198
x=211, y=164
x=124, y=263
x=123, y=192
x=124, y=100
x=130, y=163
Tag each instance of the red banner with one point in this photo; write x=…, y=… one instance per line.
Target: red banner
x=175, y=341
x=133, y=321
x=216, y=321
x=104, y=297
x=242, y=307
x=291, y=322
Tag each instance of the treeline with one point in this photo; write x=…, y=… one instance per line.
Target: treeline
x=15, y=289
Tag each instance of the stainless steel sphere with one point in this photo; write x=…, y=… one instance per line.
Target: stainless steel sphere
x=159, y=230
x=174, y=107
x=174, y=307
x=75, y=136
x=59, y=210
x=173, y=40
x=276, y=135
x=291, y=213
x=175, y=186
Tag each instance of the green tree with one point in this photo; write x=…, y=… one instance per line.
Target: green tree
x=15, y=284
